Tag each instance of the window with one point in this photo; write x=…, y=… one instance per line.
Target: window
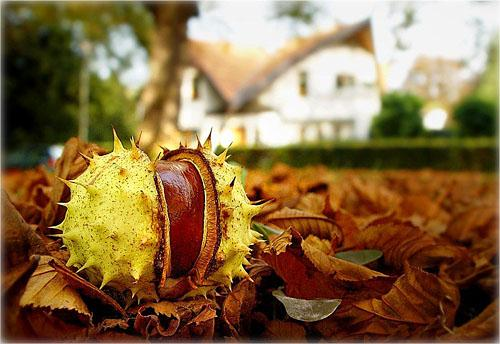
x=196, y=87
x=344, y=80
x=303, y=83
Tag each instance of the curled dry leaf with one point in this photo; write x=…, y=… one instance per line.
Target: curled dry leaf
x=319, y=184
x=468, y=271
x=305, y=223
x=19, y=184
x=372, y=197
x=20, y=247
x=86, y=288
x=47, y=326
x=339, y=268
x=29, y=191
x=47, y=288
x=10, y=279
x=302, y=279
x=474, y=223
x=279, y=244
x=344, y=221
x=417, y=297
x=424, y=212
x=323, y=245
x=311, y=202
x=419, y=305
x=258, y=269
x=180, y=319
x=309, y=273
x=19, y=239
x=402, y=242
x=108, y=324
x=15, y=324
x=280, y=182
x=238, y=305
x=482, y=327
x=365, y=206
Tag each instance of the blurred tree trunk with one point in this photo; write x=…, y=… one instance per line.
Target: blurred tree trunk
x=161, y=96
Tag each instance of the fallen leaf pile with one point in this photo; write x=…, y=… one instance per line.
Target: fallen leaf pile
x=345, y=255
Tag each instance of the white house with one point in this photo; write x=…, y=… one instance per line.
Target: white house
x=326, y=86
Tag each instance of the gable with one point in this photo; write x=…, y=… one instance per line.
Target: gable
x=240, y=74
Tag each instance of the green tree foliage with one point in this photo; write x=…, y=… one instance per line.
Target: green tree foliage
x=300, y=11
x=399, y=117
x=475, y=116
x=41, y=72
x=487, y=87
x=42, y=64
x=110, y=105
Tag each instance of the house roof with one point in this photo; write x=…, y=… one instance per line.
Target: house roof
x=240, y=74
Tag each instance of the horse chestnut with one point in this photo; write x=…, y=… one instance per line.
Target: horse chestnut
x=164, y=227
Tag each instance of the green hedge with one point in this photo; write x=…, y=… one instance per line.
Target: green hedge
x=438, y=153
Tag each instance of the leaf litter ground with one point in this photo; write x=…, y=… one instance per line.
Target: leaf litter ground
x=378, y=255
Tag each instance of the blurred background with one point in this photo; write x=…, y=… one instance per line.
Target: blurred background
x=345, y=84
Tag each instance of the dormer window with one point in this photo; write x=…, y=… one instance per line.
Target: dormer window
x=196, y=87
x=303, y=89
x=344, y=81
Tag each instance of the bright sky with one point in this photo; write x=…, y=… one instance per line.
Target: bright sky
x=447, y=29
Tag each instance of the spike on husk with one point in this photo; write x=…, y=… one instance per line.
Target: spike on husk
x=117, y=144
x=207, y=145
x=199, y=146
x=138, y=141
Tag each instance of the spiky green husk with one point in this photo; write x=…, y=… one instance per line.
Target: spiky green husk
x=236, y=213
x=111, y=219
x=111, y=224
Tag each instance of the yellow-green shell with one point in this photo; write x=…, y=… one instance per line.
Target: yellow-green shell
x=111, y=224
x=236, y=217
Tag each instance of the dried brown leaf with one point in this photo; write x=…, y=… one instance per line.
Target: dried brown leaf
x=419, y=305
x=29, y=191
x=305, y=223
x=47, y=288
x=19, y=239
x=402, y=242
x=321, y=244
x=372, y=197
x=11, y=277
x=474, y=223
x=341, y=269
x=181, y=318
x=311, y=202
x=238, y=304
x=345, y=222
x=108, y=324
x=424, y=206
x=47, y=326
x=417, y=297
x=304, y=280
x=85, y=287
x=279, y=244
x=482, y=327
